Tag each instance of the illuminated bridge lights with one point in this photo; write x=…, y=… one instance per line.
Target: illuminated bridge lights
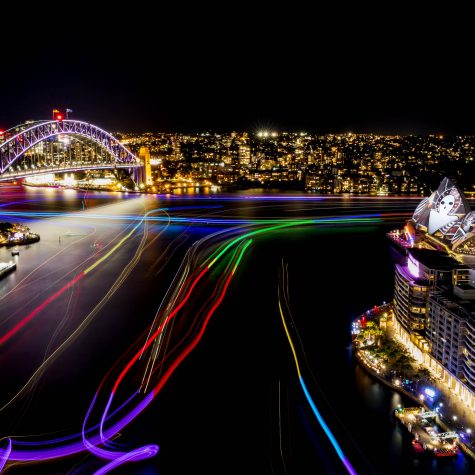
x=25, y=137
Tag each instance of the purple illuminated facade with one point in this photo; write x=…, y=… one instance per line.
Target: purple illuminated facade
x=413, y=266
x=425, y=271
x=410, y=299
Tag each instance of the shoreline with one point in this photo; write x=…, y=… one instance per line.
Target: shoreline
x=469, y=452
x=30, y=240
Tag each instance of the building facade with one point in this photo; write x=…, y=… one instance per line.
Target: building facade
x=451, y=332
x=434, y=297
x=424, y=272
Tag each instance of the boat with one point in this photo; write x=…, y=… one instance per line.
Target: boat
x=427, y=436
x=451, y=451
x=417, y=447
x=6, y=268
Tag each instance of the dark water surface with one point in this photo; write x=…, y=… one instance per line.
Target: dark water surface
x=235, y=404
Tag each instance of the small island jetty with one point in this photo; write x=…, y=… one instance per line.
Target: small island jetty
x=14, y=234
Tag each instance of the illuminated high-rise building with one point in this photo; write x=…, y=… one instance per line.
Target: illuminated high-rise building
x=434, y=298
x=424, y=271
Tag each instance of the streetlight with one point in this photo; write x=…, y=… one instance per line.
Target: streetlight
x=454, y=418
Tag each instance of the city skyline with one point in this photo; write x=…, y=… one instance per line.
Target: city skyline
x=236, y=236
x=344, y=163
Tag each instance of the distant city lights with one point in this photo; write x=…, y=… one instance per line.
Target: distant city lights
x=266, y=134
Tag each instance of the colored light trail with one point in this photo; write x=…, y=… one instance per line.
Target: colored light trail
x=201, y=288
x=4, y=338
x=6, y=454
x=138, y=454
x=117, y=284
x=162, y=326
x=200, y=220
x=312, y=404
x=118, y=458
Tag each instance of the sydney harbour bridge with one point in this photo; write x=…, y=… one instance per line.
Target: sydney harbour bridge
x=57, y=146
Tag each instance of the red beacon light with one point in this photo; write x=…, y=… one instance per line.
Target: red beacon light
x=58, y=115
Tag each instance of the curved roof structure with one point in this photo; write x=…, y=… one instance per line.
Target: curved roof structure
x=446, y=215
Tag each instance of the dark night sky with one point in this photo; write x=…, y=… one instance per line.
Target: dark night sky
x=295, y=70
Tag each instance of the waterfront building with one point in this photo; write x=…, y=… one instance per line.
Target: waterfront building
x=423, y=272
x=434, y=294
x=451, y=332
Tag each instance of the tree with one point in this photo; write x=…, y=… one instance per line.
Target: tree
x=423, y=377
x=404, y=363
x=373, y=332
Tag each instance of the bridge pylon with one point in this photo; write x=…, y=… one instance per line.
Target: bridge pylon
x=144, y=156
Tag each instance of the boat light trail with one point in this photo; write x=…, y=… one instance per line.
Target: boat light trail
x=372, y=217
x=175, y=363
x=4, y=338
x=137, y=454
x=7, y=336
x=315, y=410
x=93, y=441
x=6, y=454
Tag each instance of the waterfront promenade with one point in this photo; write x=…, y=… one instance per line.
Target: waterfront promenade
x=429, y=393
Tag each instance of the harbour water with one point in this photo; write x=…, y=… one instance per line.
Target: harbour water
x=234, y=405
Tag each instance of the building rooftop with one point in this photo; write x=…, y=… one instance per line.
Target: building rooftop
x=458, y=306
x=465, y=286
x=437, y=260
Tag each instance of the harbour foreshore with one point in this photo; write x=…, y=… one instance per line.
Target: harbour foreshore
x=386, y=377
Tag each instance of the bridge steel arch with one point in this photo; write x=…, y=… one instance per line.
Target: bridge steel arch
x=29, y=135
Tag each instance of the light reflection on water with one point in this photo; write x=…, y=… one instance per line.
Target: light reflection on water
x=360, y=271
